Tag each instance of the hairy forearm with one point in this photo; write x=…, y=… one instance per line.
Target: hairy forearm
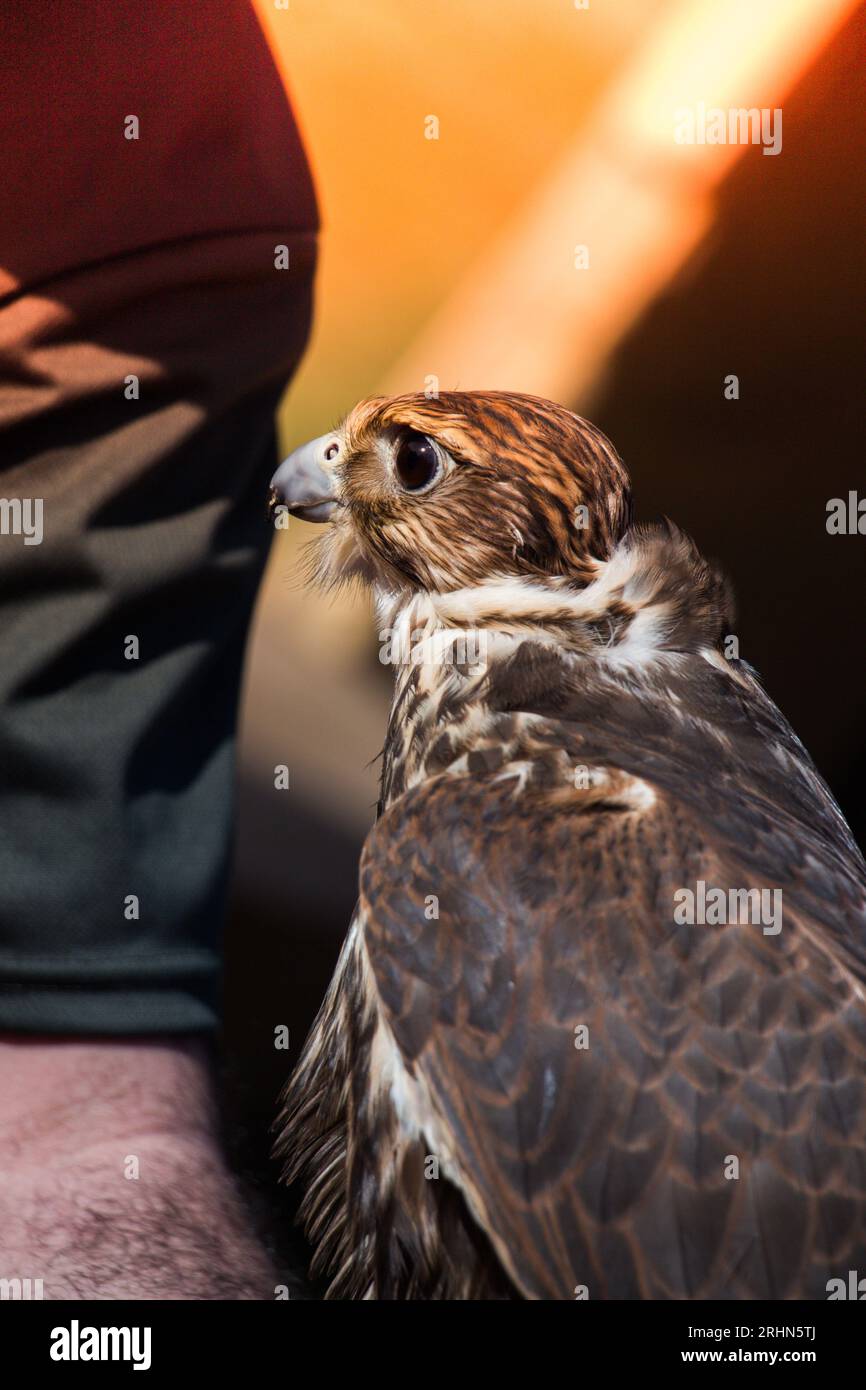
x=112, y=1183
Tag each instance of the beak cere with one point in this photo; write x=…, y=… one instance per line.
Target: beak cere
x=304, y=483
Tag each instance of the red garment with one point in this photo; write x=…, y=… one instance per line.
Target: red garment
x=120, y=259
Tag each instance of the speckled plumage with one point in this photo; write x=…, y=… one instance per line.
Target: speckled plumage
x=551, y=799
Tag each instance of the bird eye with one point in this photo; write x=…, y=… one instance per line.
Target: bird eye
x=416, y=461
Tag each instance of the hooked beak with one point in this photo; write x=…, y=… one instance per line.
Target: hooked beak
x=304, y=483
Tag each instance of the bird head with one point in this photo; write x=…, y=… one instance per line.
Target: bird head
x=438, y=494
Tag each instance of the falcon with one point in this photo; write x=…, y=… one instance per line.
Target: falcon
x=598, y=1028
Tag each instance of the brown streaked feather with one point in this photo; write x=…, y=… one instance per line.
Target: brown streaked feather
x=524, y=466
x=605, y=1167
x=451, y=1036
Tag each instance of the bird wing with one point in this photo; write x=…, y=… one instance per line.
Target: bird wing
x=630, y=1106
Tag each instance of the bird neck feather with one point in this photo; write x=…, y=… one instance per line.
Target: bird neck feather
x=655, y=596
x=652, y=609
